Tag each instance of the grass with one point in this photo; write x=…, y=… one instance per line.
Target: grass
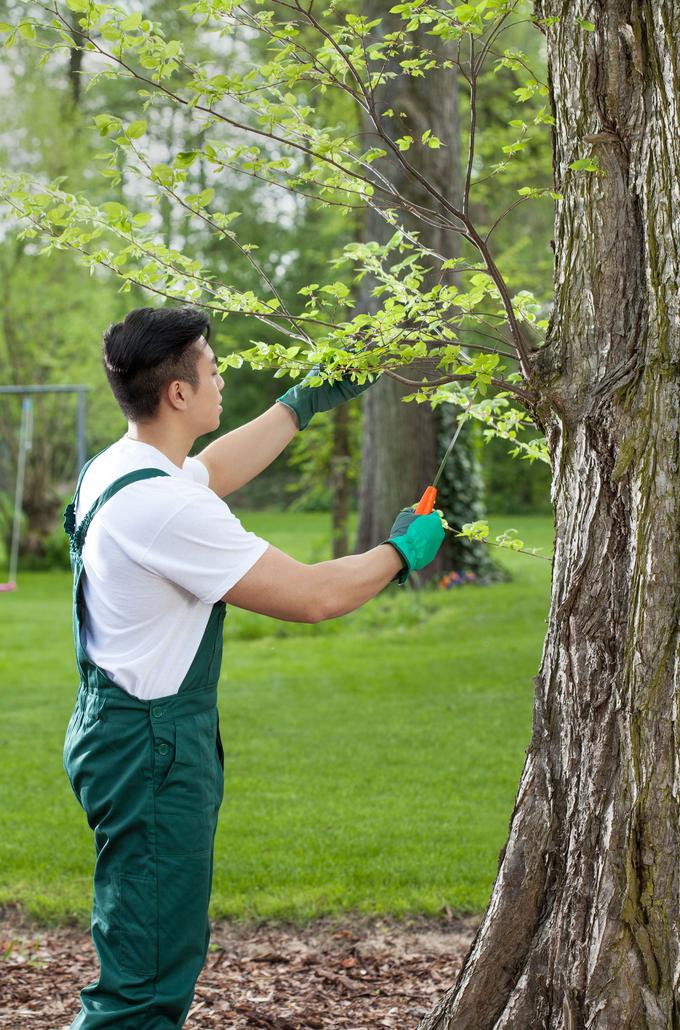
x=371, y=761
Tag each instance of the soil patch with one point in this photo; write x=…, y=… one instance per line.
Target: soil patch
x=350, y=974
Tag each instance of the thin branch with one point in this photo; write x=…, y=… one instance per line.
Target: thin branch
x=255, y=264
x=501, y=383
x=329, y=39
x=523, y=63
x=502, y=216
x=495, y=32
x=492, y=543
x=473, y=125
x=486, y=350
x=375, y=118
x=471, y=233
x=161, y=88
x=310, y=54
x=270, y=318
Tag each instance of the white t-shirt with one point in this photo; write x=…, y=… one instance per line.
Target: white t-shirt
x=156, y=557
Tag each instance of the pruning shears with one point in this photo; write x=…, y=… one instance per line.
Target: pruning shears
x=426, y=503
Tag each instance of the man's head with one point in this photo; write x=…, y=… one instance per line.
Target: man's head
x=149, y=350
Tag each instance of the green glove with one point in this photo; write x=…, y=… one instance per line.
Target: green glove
x=306, y=401
x=417, y=538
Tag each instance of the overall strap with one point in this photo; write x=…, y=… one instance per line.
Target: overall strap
x=78, y=535
x=70, y=509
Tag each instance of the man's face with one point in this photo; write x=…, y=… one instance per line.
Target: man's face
x=206, y=403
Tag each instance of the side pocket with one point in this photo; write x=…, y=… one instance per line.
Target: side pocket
x=219, y=784
x=139, y=925
x=220, y=749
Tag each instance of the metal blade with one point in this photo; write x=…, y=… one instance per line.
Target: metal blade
x=448, y=452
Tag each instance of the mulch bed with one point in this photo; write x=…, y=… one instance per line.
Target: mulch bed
x=353, y=974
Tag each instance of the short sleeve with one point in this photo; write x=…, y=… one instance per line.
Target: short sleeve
x=203, y=547
x=197, y=470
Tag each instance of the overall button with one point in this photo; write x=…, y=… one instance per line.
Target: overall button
x=157, y=711
x=163, y=748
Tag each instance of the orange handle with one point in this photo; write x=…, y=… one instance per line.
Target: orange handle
x=426, y=502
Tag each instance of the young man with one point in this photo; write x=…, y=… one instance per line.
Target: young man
x=156, y=555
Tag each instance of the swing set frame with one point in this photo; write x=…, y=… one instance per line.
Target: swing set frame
x=25, y=434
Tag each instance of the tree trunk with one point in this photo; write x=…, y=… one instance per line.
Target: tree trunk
x=341, y=488
x=583, y=927
x=75, y=67
x=400, y=446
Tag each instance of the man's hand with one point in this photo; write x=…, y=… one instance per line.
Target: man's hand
x=305, y=401
x=417, y=538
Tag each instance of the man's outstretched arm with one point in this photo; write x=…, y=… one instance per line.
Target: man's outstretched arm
x=283, y=588
x=279, y=586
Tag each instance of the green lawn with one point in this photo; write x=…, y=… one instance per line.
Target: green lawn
x=371, y=761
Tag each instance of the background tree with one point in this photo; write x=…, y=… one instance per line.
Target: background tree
x=400, y=442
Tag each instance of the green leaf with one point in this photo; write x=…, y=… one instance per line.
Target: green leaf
x=107, y=123
x=129, y=24
x=136, y=129
x=162, y=173
x=201, y=199
x=585, y=164
x=465, y=13
x=230, y=361
x=114, y=211
x=587, y=25
x=185, y=158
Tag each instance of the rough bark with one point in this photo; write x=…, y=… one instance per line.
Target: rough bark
x=582, y=930
x=400, y=445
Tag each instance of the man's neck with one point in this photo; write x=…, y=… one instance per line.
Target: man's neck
x=174, y=445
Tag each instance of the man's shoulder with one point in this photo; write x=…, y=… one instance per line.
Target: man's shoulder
x=176, y=486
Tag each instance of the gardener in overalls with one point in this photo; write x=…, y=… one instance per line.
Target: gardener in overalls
x=156, y=554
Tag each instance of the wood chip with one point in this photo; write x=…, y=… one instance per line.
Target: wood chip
x=357, y=974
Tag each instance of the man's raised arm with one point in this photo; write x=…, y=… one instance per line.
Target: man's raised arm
x=237, y=457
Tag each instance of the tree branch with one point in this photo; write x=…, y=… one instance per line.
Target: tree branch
x=473, y=125
x=500, y=383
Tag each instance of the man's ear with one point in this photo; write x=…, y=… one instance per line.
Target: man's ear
x=175, y=394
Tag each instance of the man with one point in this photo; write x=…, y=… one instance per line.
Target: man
x=156, y=555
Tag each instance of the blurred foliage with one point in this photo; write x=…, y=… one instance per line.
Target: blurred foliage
x=53, y=313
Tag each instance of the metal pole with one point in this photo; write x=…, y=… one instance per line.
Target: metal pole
x=24, y=447
x=82, y=441
x=43, y=389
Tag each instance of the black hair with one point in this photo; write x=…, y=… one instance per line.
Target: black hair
x=147, y=350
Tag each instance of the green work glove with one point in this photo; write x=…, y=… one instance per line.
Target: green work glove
x=306, y=401
x=417, y=538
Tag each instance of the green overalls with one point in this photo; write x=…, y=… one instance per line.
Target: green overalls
x=149, y=775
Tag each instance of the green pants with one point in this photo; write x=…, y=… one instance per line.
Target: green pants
x=149, y=776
